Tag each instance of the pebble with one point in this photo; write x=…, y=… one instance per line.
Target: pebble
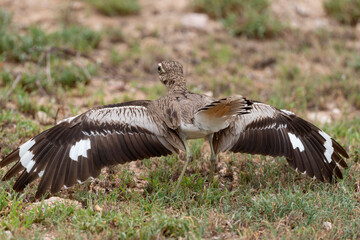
x=52, y=202
x=9, y=234
x=327, y=225
x=43, y=118
x=198, y=21
x=97, y=208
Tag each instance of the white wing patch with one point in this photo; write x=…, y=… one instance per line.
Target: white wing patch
x=27, y=161
x=296, y=142
x=41, y=173
x=329, y=150
x=26, y=156
x=25, y=147
x=79, y=149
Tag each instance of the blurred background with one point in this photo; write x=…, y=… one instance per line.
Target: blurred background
x=58, y=58
x=301, y=54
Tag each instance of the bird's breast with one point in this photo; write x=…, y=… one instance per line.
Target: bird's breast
x=190, y=131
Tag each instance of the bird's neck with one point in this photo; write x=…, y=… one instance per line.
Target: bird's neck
x=178, y=85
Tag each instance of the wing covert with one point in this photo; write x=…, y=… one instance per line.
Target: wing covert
x=270, y=131
x=78, y=147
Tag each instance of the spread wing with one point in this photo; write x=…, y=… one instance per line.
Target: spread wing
x=78, y=147
x=266, y=130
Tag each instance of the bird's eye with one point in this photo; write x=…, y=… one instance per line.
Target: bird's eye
x=160, y=68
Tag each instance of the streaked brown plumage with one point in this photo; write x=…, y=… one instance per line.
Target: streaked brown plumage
x=78, y=147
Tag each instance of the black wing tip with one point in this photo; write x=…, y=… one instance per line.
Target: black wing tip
x=333, y=178
x=324, y=175
x=39, y=193
x=339, y=149
x=11, y=157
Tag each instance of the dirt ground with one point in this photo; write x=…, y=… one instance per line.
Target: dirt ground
x=166, y=25
x=166, y=29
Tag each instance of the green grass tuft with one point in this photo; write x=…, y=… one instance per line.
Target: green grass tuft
x=5, y=19
x=19, y=48
x=29, y=45
x=70, y=76
x=116, y=7
x=242, y=17
x=344, y=11
x=77, y=37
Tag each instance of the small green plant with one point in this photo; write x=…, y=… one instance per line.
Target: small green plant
x=5, y=19
x=71, y=76
x=116, y=7
x=77, y=37
x=29, y=45
x=19, y=48
x=242, y=17
x=354, y=63
x=345, y=11
x=6, y=78
x=115, y=35
x=24, y=103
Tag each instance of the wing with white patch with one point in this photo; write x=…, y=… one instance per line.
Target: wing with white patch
x=270, y=131
x=77, y=148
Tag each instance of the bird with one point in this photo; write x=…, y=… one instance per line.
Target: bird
x=77, y=148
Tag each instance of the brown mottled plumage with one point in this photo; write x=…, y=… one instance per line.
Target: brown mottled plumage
x=78, y=147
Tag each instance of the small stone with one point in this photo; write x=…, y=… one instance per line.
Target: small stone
x=116, y=86
x=327, y=225
x=9, y=234
x=77, y=6
x=97, y=208
x=321, y=116
x=357, y=28
x=336, y=111
x=51, y=202
x=197, y=21
x=43, y=118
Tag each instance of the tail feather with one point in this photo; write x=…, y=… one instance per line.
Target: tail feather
x=214, y=116
x=226, y=107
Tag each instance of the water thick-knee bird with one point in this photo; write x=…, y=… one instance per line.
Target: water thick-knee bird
x=77, y=148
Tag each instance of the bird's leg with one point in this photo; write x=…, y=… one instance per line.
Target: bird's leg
x=188, y=157
x=212, y=159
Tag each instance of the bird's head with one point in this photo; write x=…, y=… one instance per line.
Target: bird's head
x=171, y=75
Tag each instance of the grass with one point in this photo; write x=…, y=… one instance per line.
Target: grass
x=28, y=46
x=252, y=196
x=270, y=201
x=72, y=75
x=77, y=37
x=242, y=17
x=46, y=57
x=116, y=7
x=344, y=11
